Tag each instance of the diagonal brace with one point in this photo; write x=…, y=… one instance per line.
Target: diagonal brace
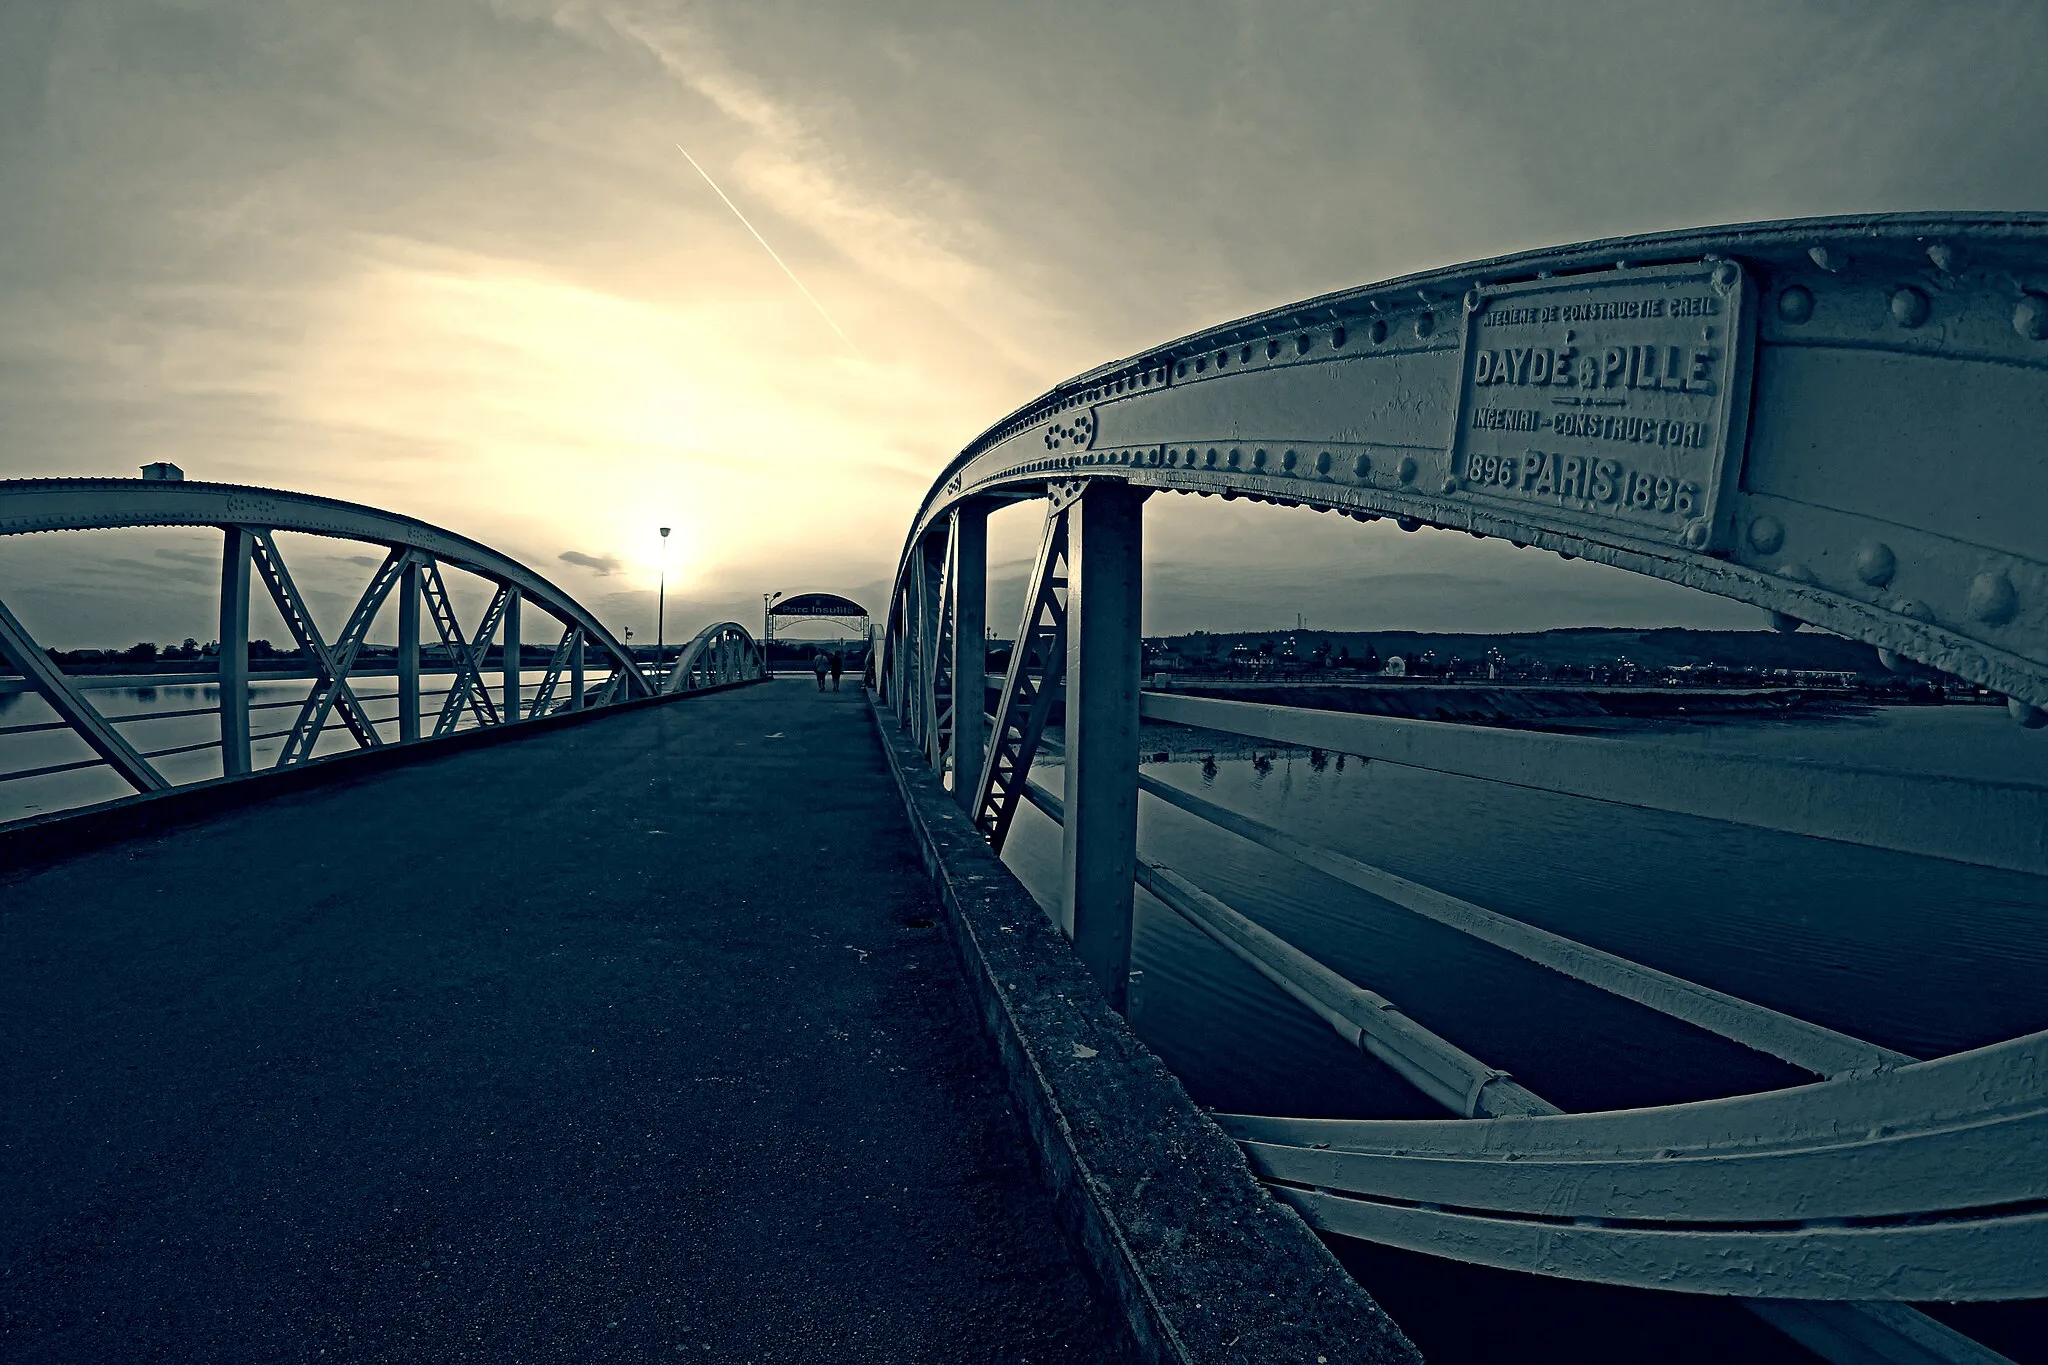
x=298, y=618
x=21, y=650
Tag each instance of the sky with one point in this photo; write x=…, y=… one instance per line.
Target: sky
x=445, y=257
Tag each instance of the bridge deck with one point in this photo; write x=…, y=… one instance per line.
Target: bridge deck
x=626, y=1041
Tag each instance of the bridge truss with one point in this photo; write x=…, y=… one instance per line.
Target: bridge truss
x=1835, y=420
x=587, y=666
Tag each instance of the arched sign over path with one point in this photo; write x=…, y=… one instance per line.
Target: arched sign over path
x=817, y=606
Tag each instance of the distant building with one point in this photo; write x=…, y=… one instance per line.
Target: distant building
x=1396, y=667
x=163, y=471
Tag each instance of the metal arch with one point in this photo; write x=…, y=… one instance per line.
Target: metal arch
x=1866, y=440
x=28, y=505
x=1922, y=1183
x=721, y=653
x=250, y=516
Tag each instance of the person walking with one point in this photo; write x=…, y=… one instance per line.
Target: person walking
x=818, y=667
x=838, y=667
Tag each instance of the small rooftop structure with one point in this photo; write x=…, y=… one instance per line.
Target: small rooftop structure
x=163, y=471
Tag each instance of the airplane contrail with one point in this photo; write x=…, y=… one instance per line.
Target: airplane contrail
x=767, y=248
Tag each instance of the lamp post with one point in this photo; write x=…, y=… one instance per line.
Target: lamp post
x=767, y=629
x=661, y=603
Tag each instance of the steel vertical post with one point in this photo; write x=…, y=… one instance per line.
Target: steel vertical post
x=409, y=652
x=1099, y=845
x=234, y=651
x=576, y=672
x=930, y=567
x=969, y=589
x=511, y=638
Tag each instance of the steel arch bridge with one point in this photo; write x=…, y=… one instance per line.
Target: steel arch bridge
x=1839, y=421
x=410, y=579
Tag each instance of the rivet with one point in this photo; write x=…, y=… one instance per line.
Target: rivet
x=1378, y=330
x=1258, y=459
x=2030, y=317
x=1828, y=259
x=1301, y=344
x=1875, y=563
x=1272, y=349
x=1726, y=276
x=1408, y=523
x=1992, y=599
x=1336, y=338
x=1361, y=465
x=1909, y=307
x=1795, y=304
x=1222, y=359
x=2029, y=717
x=1244, y=356
x=1784, y=624
x=1474, y=300
x=1201, y=364
x=1173, y=457
x=1449, y=486
x=1323, y=462
x=1181, y=370
x=1408, y=468
x=1287, y=461
x=1766, y=535
x=1695, y=534
x=1425, y=323
x=1212, y=458
x=1945, y=257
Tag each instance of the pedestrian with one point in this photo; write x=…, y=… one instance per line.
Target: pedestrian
x=838, y=667
x=818, y=667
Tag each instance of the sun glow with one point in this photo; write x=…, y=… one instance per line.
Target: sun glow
x=593, y=418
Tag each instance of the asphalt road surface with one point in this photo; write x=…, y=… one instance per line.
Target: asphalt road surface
x=628, y=1041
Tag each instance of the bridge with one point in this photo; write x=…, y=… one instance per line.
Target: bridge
x=1834, y=421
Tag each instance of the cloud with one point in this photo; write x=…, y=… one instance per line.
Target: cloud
x=601, y=565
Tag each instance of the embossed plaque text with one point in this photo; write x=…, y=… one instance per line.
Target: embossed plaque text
x=1608, y=400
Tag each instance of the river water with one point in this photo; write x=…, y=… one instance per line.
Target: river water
x=1922, y=955
x=274, y=706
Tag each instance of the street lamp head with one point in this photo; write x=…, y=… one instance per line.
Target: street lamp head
x=664, y=533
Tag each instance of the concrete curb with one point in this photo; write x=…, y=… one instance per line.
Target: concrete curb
x=41, y=839
x=1205, y=1265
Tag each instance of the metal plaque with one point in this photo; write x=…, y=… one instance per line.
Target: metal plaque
x=1613, y=400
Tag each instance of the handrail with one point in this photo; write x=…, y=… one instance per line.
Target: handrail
x=1985, y=822
x=1822, y=1051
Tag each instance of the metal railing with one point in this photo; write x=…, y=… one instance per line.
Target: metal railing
x=480, y=692
x=1734, y=450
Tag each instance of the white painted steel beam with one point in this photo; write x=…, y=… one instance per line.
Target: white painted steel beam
x=233, y=667
x=968, y=605
x=511, y=657
x=1105, y=531
x=1037, y=659
x=1981, y=821
x=1820, y=1050
x=21, y=650
x=1329, y=1158
x=407, y=664
x=1834, y=420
